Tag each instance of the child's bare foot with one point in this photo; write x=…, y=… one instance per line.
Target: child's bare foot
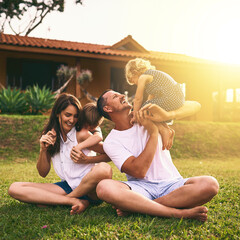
x=166, y=135
x=120, y=212
x=79, y=207
x=42, y=206
x=170, y=141
x=198, y=213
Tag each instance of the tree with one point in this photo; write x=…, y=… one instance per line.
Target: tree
x=38, y=9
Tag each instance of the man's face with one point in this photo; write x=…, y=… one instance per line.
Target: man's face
x=116, y=102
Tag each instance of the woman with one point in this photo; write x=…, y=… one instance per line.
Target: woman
x=62, y=132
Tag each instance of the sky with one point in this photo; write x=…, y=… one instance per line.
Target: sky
x=201, y=28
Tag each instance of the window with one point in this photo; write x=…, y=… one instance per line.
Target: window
x=183, y=87
x=22, y=73
x=229, y=95
x=237, y=95
x=119, y=83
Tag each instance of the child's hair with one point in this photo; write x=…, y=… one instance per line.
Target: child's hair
x=91, y=116
x=136, y=66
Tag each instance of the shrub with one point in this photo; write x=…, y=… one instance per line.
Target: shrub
x=12, y=101
x=39, y=100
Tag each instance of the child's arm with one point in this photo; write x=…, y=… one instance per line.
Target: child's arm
x=143, y=79
x=137, y=103
x=88, y=140
x=79, y=157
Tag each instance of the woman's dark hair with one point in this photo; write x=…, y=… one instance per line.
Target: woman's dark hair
x=61, y=103
x=101, y=102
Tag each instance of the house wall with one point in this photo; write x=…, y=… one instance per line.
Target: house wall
x=201, y=79
x=101, y=70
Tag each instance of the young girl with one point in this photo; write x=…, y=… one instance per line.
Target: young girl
x=161, y=89
x=60, y=135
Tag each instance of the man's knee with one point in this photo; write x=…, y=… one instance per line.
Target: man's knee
x=210, y=186
x=103, y=189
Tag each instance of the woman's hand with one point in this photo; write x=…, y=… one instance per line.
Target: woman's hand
x=78, y=156
x=47, y=139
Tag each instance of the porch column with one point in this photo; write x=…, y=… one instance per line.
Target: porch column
x=78, y=88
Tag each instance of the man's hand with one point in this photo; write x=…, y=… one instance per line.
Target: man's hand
x=148, y=124
x=155, y=113
x=78, y=156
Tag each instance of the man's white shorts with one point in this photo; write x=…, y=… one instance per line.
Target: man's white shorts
x=153, y=190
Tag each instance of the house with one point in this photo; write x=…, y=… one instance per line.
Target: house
x=27, y=60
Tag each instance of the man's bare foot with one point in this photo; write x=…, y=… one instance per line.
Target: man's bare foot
x=170, y=140
x=198, y=213
x=79, y=207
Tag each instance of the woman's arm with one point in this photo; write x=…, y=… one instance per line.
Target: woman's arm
x=157, y=114
x=44, y=159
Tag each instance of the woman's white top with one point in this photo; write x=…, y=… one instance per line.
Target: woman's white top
x=65, y=167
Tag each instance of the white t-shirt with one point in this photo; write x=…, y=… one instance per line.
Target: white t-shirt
x=120, y=145
x=65, y=167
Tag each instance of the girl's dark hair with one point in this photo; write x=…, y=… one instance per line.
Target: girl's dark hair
x=61, y=103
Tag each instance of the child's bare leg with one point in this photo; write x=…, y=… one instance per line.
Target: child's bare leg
x=167, y=135
x=170, y=142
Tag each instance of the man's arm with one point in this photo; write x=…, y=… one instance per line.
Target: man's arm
x=155, y=113
x=138, y=166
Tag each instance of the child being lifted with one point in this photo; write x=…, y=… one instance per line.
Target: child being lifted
x=161, y=90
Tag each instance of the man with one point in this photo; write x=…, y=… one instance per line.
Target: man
x=154, y=184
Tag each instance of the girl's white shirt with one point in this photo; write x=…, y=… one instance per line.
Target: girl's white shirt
x=65, y=167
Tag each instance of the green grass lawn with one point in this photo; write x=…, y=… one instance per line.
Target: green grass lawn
x=18, y=153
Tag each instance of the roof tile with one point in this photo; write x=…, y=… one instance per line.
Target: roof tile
x=16, y=40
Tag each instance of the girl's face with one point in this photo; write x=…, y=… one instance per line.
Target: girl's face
x=67, y=119
x=134, y=78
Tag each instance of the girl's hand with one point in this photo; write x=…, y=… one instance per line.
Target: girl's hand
x=47, y=139
x=133, y=119
x=78, y=156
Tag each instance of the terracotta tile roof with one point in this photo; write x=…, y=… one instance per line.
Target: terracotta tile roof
x=24, y=41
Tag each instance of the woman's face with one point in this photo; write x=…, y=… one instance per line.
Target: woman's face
x=67, y=119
